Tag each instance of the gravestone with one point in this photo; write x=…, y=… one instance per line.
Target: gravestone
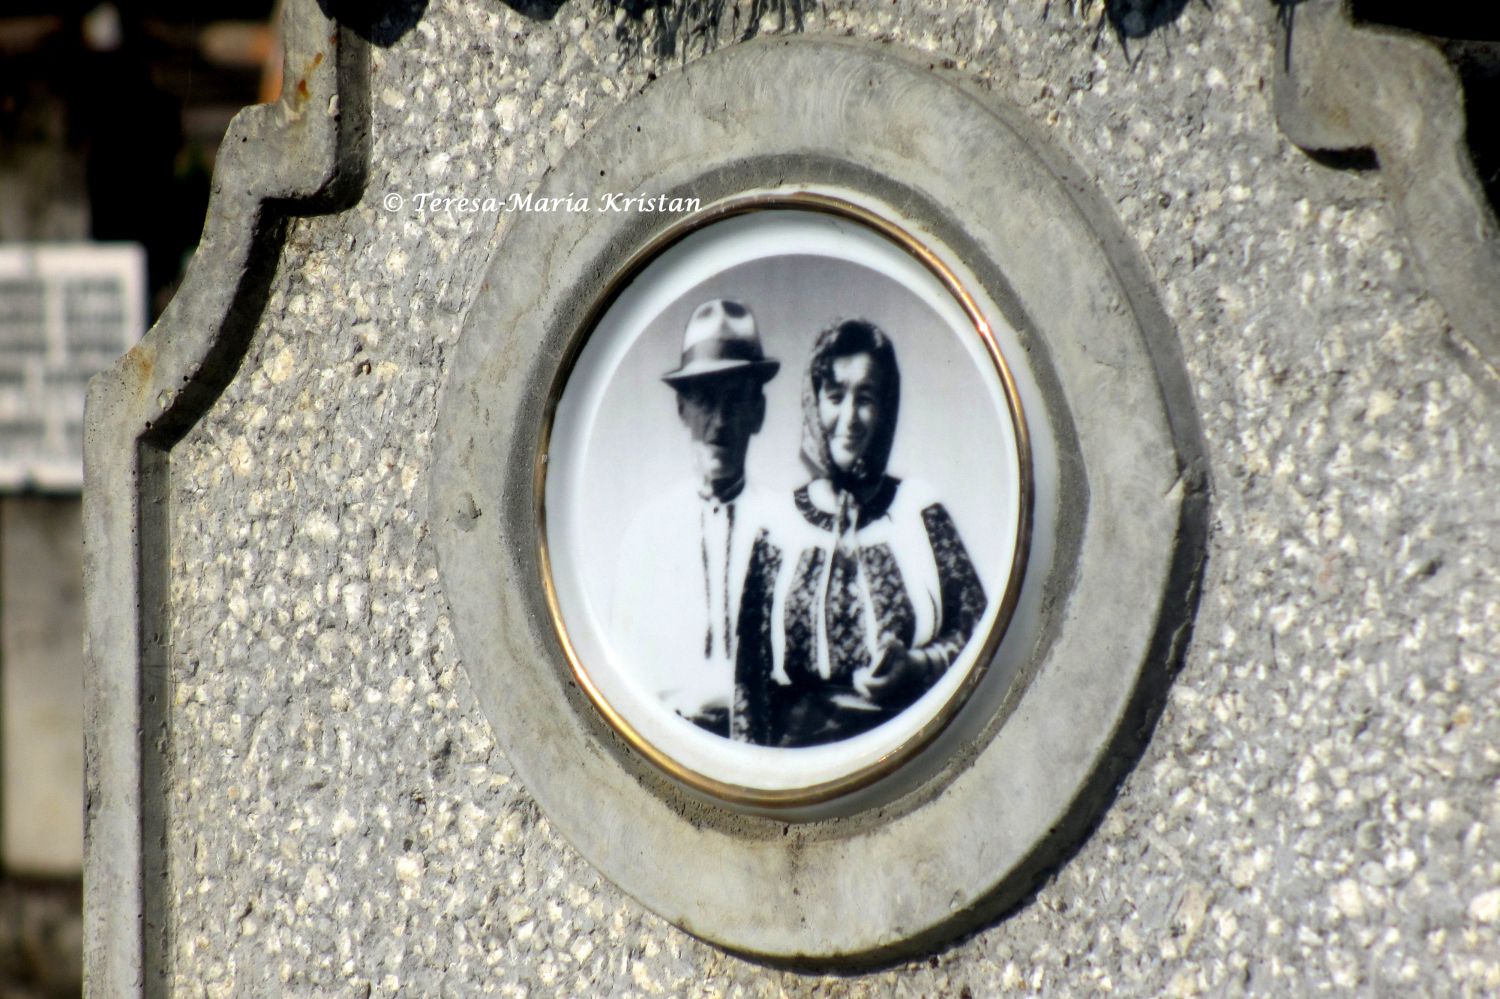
x=1220, y=717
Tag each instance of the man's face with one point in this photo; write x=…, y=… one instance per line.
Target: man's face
x=721, y=413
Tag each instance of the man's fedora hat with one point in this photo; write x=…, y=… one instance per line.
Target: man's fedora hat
x=720, y=339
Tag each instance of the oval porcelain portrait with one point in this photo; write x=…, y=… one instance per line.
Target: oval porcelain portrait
x=785, y=501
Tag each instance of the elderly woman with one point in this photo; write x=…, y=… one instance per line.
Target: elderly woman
x=865, y=601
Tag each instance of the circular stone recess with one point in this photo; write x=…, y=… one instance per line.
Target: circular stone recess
x=970, y=817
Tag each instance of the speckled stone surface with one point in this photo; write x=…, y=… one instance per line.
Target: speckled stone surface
x=1318, y=806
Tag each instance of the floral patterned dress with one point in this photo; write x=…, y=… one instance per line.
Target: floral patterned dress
x=824, y=596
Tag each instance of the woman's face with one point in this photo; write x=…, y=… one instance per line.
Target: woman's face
x=849, y=408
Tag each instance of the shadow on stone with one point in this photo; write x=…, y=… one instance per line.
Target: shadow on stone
x=382, y=22
x=1345, y=159
x=1130, y=20
x=537, y=10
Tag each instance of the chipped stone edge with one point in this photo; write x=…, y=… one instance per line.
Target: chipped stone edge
x=1411, y=113
x=303, y=155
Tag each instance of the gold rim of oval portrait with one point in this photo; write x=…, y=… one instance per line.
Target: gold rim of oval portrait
x=867, y=775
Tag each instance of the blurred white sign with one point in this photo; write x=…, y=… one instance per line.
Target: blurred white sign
x=67, y=310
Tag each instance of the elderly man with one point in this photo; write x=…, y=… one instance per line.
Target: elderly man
x=683, y=562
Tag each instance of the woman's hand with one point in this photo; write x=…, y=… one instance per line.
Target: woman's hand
x=895, y=668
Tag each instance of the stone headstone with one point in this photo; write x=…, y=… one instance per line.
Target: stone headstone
x=336, y=743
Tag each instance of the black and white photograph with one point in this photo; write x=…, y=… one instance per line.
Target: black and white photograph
x=783, y=500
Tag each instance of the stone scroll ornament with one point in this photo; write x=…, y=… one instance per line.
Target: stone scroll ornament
x=1340, y=85
x=835, y=523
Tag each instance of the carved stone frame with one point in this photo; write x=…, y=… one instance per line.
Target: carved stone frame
x=1124, y=516
x=305, y=155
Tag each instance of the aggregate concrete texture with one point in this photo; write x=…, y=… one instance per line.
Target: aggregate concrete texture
x=1317, y=806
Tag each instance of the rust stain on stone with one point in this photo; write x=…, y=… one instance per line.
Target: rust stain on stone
x=137, y=366
x=301, y=93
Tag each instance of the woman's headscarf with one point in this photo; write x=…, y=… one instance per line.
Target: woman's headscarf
x=847, y=338
x=847, y=620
